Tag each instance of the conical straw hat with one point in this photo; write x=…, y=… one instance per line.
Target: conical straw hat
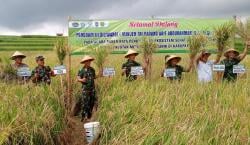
x=87, y=58
x=173, y=57
x=17, y=54
x=231, y=50
x=131, y=51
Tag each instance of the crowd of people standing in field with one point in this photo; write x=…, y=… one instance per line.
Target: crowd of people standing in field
x=42, y=74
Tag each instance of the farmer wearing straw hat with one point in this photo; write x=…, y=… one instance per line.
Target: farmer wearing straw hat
x=18, y=58
x=126, y=67
x=171, y=62
x=41, y=74
x=87, y=76
x=233, y=57
x=204, y=66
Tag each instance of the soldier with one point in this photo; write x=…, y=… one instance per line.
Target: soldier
x=233, y=57
x=126, y=67
x=18, y=58
x=41, y=74
x=87, y=76
x=171, y=62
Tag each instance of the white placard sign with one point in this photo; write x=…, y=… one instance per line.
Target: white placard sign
x=219, y=67
x=60, y=70
x=23, y=72
x=170, y=72
x=239, y=69
x=137, y=71
x=108, y=71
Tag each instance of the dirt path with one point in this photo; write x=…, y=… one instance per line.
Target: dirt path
x=74, y=134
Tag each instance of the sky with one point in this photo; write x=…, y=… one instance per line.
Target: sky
x=48, y=17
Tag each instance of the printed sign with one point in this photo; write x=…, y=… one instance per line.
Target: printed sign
x=60, y=70
x=108, y=71
x=170, y=72
x=137, y=71
x=24, y=72
x=219, y=67
x=239, y=69
x=124, y=34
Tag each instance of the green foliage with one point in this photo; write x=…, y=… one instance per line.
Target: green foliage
x=100, y=54
x=7, y=72
x=61, y=49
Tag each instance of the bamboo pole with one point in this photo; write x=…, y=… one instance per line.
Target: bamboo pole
x=69, y=83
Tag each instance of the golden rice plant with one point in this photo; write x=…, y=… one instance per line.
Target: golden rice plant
x=148, y=47
x=243, y=29
x=195, y=43
x=223, y=35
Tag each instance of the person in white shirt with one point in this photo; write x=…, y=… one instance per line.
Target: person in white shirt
x=204, y=66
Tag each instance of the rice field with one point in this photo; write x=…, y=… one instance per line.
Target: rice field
x=144, y=112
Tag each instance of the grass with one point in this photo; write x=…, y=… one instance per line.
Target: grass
x=27, y=42
x=30, y=115
x=144, y=112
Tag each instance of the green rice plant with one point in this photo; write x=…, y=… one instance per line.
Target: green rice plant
x=100, y=53
x=61, y=49
x=196, y=43
x=223, y=35
x=7, y=72
x=147, y=47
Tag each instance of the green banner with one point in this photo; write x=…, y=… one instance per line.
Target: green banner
x=170, y=34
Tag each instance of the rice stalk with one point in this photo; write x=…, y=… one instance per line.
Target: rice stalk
x=196, y=43
x=243, y=29
x=148, y=47
x=100, y=53
x=61, y=49
x=223, y=35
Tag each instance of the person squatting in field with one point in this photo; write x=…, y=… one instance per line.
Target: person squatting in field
x=171, y=62
x=204, y=66
x=126, y=67
x=86, y=76
x=233, y=57
x=41, y=74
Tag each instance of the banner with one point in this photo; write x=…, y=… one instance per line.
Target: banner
x=169, y=34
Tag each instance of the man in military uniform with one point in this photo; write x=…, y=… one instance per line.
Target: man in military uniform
x=87, y=76
x=41, y=74
x=126, y=67
x=233, y=57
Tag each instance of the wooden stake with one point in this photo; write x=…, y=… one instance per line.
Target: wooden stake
x=69, y=87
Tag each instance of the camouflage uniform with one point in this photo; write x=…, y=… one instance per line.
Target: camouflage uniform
x=88, y=99
x=178, y=71
x=127, y=66
x=44, y=75
x=228, y=74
